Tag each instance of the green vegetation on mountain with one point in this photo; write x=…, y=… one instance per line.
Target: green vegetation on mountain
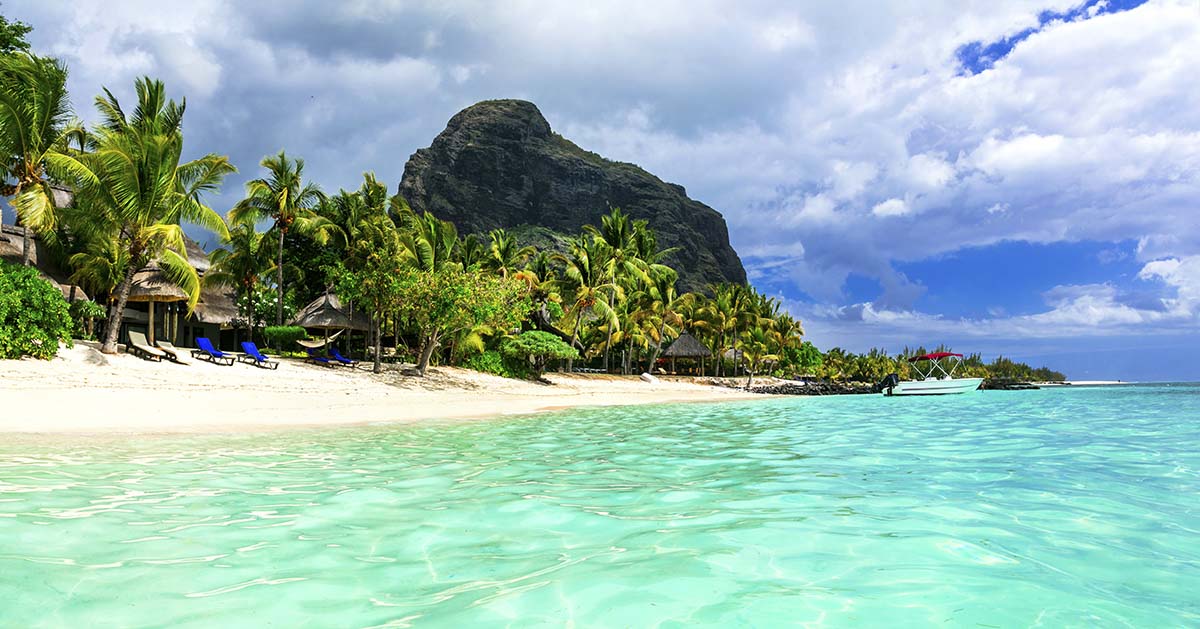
x=499, y=165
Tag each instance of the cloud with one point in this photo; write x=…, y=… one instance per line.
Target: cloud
x=891, y=207
x=835, y=139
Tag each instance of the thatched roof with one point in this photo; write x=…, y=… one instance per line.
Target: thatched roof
x=151, y=284
x=217, y=306
x=196, y=256
x=327, y=313
x=687, y=346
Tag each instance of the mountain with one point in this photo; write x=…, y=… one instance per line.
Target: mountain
x=499, y=165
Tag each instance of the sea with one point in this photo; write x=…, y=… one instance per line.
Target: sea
x=1064, y=507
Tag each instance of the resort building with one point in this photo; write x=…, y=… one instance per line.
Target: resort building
x=156, y=307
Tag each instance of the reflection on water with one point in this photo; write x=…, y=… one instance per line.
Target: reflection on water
x=1057, y=507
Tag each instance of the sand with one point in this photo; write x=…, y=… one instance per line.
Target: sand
x=84, y=391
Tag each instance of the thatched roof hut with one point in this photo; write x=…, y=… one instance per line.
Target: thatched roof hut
x=217, y=306
x=326, y=313
x=151, y=284
x=687, y=346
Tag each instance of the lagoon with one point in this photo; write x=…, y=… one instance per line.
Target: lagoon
x=1060, y=507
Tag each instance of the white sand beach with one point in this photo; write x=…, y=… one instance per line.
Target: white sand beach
x=85, y=391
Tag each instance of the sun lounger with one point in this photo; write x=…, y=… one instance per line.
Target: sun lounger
x=206, y=351
x=174, y=354
x=317, y=359
x=139, y=346
x=255, y=357
x=336, y=355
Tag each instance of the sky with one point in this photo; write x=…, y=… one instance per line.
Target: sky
x=1017, y=178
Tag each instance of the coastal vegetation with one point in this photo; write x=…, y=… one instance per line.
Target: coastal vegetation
x=604, y=297
x=33, y=315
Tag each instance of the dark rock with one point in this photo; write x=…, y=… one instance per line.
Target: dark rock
x=815, y=388
x=498, y=164
x=990, y=384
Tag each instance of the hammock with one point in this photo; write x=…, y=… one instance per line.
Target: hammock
x=319, y=343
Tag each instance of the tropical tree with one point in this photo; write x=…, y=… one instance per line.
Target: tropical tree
x=429, y=242
x=538, y=347
x=286, y=199
x=12, y=35
x=441, y=303
x=135, y=193
x=35, y=130
x=665, y=307
x=503, y=253
x=241, y=264
x=586, y=280
x=471, y=252
x=756, y=351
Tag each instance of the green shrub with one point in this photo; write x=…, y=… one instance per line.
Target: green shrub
x=33, y=314
x=284, y=337
x=538, y=347
x=84, y=313
x=493, y=362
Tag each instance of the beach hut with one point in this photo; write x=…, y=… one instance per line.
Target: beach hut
x=687, y=346
x=151, y=286
x=326, y=313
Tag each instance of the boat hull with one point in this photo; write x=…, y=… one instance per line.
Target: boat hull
x=948, y=386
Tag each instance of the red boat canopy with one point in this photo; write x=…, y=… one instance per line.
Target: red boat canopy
x=933, y=356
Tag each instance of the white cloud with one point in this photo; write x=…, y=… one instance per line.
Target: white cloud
x=891, y=207
x=802, y=124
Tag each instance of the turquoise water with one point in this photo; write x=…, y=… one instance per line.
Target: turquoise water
x=997, y=509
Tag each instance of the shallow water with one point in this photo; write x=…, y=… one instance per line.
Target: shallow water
x=1067, y=507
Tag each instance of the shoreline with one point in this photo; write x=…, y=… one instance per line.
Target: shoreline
x=85, y=392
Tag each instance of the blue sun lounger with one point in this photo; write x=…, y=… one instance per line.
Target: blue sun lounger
x=317, y=359
x=213, y=355
x=254, y=357
x=336, y=355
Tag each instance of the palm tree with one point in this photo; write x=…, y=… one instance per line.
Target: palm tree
x=285, y=198
x=589, y=284
x=756, y=349
x=503, y=254
x=242, y=265
x=665, y=305
x=135, y=192
x=622, y=265
x=428, y=242
x=100, y=267
x=35, y=129
x=470, y=251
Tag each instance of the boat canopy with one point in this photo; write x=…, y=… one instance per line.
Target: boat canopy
x=933, y=356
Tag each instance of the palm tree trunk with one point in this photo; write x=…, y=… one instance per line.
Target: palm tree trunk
x=608, y=339
x=574, y=339
x=657, y=349
x=279, y=281
x=378, y=343
x=26, y=248
x=114, y=316
x=26, y=244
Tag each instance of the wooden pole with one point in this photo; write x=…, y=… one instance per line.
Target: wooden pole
x=151, y=322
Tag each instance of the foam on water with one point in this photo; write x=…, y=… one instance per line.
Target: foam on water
x=1045, y=508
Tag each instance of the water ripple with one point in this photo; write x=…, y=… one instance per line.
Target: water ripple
x=1050, y=508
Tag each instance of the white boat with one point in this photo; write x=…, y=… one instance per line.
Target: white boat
x=936, y=378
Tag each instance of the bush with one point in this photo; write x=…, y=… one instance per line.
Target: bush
x=33, y=314
x=284, y=336
x=495, y=363
x=538, y=347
